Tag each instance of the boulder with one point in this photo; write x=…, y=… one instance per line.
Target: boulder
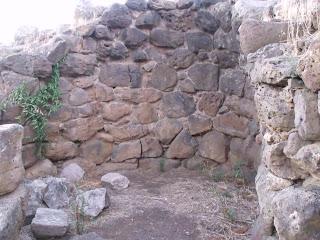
x=255, y=34
x=140, y=56
x=12, y=207
x=223, y=11
x=145, y=113
x=197, y=41
x=58, y=192
x=209, y=103
x=161, y=4
x=72, y=172
x=183, y=146
x=141, y=95
x=151, y=147
x=115, y=50
x=103, y=32
x=50, y=223
x=232, y=124
x=11, y=164
x=241, y=106
x=307, y=159
x=125, y=151
x=229, y=40
x=166, y=38
x=61, y=150
x=137, y=5
x=213, y=146
x=42, y=168
x=118, y=16
x=133, y=37
x=163, y=77
x=115, y=181
x=96, y=150
x=275, y=107
x=76, y=64
x=29, y=155
x=148, y=20
x=92, y=202
x=167, y=129
x=198, y=124
x=205, y=76
x=184, y=4
x=127, y=132
x=181, y=58
x=178, y=104
x=78, y=96
x=114, y=111
x=232, y=82
x=294, y=143
x=307, y=119
x=206, y=21
x=57, y=50
x=308, y=67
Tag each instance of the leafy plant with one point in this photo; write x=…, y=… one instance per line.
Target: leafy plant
x=37, y=107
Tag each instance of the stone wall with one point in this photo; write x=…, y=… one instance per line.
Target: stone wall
x=144, y=84
x=286, y=76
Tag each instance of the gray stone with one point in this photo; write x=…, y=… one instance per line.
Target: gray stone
x=205, y=76
x=115, y=50
x=294, y=143
x=133, y=37
x=76, y=64
x=125, y=151
x=213, y=146
x=241, y=106
x=209, y=103
x=127, y=132
x=274, y=107
x=11, y=164
x=103, y=32
x=225, y=58
x=78, y=97
x=183, y=146
x=58, y=193
x=151, y=147
x=184, y=4
x=36, y=191
x=137, y=5
x=92, y=202
x=72, y=172
x=50, y=223
x=163, y=77
x=61, y=150
x=42, y=168
x=207, y=22
x=166, y=38
x=181, y=58
x=227, y=40
x=97, y=150
x=167, y=129
x=255, y=34
x=148, y=20
x=198, y=124
x=223, y=11
x=145, y=113
x=199, y=163
x=178, y=104
x=140, y=56
x=197, y=41
x=161, y=4
x=307, y=119
x=57, y=50
x=115, y=180
x=232, y=82
x=115, y=110
x=118, y=16
x=12, y=208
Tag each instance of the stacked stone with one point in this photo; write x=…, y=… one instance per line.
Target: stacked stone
x=286, y=97
x=153, y=83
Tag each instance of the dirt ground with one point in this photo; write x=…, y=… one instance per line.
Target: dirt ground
x=177, y=205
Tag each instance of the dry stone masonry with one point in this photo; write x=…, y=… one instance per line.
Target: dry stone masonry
x=146, y=82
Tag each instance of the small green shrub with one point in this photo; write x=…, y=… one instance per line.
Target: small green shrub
x=37, y=107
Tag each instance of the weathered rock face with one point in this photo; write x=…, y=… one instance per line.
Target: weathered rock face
x=144, y=82
x=11, y=165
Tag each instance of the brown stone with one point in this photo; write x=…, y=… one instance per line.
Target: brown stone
x=96, y=150
x=125, y=151
x=141, y=95
x=166, y=38
x=213, y=146
x=61, y=150
x=163, y=77
x=42, y=168
x=78, y=97
x=29, y=156
x=101, y=93
x=231, y=124
x=82, y=129
x=205, y=76
x=199, y=124
x=167, y=129
x=183, y=146
x=210, y=103
x=145, y=113
x=115, y=110
x=151, y=147
x=178, y=104
x=77, y=64
x=127, y=132
x=241, y=106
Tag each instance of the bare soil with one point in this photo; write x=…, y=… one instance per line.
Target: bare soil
x=176, y=205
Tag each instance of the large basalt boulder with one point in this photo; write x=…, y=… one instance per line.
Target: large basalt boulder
x=274, y=107
x=183, y=146
x=137, y=5
x=133, y=37
x=255, y=34
x=232, y=82
x=163, y=77
x=241, y=106
x=178, y=104
x=115, y=110
x=96, y=150
x=72, y=172
x=307, y=118
x=207, y=22
x=50, y=223
x=103, y=32
x=151, y=147
x=205, y=76
x=11, y=164
x=198, y=124
x=161, y=4
x=77, y=64
x=181, y=58
x=148, y=20
x=197, y=41
x=166, y=38
x=213, y=145
x=145, y=113
x=115, y=181
x=61, y=150
x=118, y=16
x=294, y=143
x=226, y=40
x=141, y=95
x=167, y=129
x=42, y=168
x=125, y=151
x=209, y=103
